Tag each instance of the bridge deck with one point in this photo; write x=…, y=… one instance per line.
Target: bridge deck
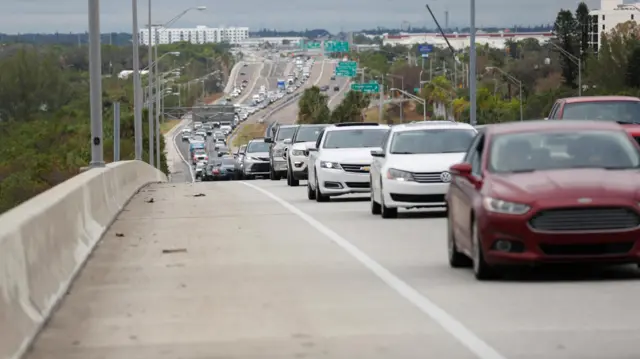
x=247, y=279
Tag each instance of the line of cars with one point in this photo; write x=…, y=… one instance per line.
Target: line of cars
x=514, y=194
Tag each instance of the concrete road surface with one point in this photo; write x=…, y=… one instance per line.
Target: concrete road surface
x=255, y=270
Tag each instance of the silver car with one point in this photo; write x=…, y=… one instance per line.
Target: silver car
x=239, y=158
x=256, y=159
x=277, y=162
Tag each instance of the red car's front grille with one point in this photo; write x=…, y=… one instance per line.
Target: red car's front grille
x=588, y=219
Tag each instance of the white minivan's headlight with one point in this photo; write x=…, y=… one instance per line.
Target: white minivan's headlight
x=331, y=165
x=399, y=175
x=499, y=206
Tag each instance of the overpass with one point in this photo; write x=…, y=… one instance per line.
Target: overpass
x=119, y=263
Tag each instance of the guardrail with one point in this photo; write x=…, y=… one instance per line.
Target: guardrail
x=45, y=241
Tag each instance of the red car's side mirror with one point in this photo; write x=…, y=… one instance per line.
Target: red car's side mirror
x=461, y=169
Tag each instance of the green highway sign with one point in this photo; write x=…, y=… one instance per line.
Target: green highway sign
x=366, y=88
x=345, y=72
x=347, y=64
x=314, y=45
x=336, y=46
x=346, y=69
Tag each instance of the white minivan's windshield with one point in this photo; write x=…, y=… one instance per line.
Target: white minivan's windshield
x=257, y=146
x=356, y=138
x=431, y=141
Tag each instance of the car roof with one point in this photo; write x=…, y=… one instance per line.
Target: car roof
x=550, y=125
x=257, y=140
x=363, y=127
x=600, y=99
x=431, y=125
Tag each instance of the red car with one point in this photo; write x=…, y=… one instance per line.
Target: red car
x=539, y=192
x=622, y=109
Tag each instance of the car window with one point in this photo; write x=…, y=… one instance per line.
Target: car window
x=431, y=141
x=476, y=156
x=228, y=161
x=357, y=138
x=623, y=111
x=320, y=137
x=308, y=134
x=472, y=147
x=285, y=132
x=524, y=152
x=257, y=146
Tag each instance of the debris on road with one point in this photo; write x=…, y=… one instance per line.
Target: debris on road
x=199, y=195
x=150, y=200
x=175, y=250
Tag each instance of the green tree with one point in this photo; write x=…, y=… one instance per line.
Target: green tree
x=633, y=69
x=583, y=24
x=350, y=109
x=565, y=32
x=313, y=107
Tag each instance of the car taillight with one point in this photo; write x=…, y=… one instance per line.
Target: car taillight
x=216, y=171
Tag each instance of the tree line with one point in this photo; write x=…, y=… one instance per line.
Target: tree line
x=45, y=114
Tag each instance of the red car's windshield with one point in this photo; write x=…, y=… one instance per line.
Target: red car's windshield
x=621, y=111
x=524, y=152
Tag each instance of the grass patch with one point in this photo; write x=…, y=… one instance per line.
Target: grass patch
x=167, y=125
x=248, y=132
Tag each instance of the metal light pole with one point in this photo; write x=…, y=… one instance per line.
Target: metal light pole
x=95, y=71
x=576, y=60
x=150, y=96
x=137, y=89
x=472, y=65
x=157, y=80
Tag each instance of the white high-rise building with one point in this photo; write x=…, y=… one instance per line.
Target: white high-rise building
x=197, y=35
x=610, y=14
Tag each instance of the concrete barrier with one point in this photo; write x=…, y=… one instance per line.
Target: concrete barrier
x=45, y=241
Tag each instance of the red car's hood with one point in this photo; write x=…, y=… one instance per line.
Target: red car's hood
x=574, y=183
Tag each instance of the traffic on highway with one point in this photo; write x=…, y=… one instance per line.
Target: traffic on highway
x=423, y=239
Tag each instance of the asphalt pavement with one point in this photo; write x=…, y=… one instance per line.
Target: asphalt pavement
x=252, y=269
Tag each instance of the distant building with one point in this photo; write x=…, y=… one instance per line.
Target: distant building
x=197, y=35
x=461, y=41
x=610, y=14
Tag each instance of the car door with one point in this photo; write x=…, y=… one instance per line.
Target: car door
x=460, y=196
x=313, y=158
x=469, y=193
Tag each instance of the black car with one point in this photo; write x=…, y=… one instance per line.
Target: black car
x=324, y=88
x=242, y=74
x=336, y=88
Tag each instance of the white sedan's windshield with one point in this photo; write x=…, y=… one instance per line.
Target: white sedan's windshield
x=356, y=138
x=431, y=141
x=523, y=152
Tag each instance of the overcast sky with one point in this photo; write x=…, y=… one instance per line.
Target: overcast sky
x=21, y=16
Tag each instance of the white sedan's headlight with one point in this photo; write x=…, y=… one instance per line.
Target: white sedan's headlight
x=399, y=175
x=278, y=152
x=331, y=165
x=499, y=206
x=297, y=153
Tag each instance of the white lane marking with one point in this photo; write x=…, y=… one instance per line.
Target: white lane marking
x=465, y=336
x=175, y=145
